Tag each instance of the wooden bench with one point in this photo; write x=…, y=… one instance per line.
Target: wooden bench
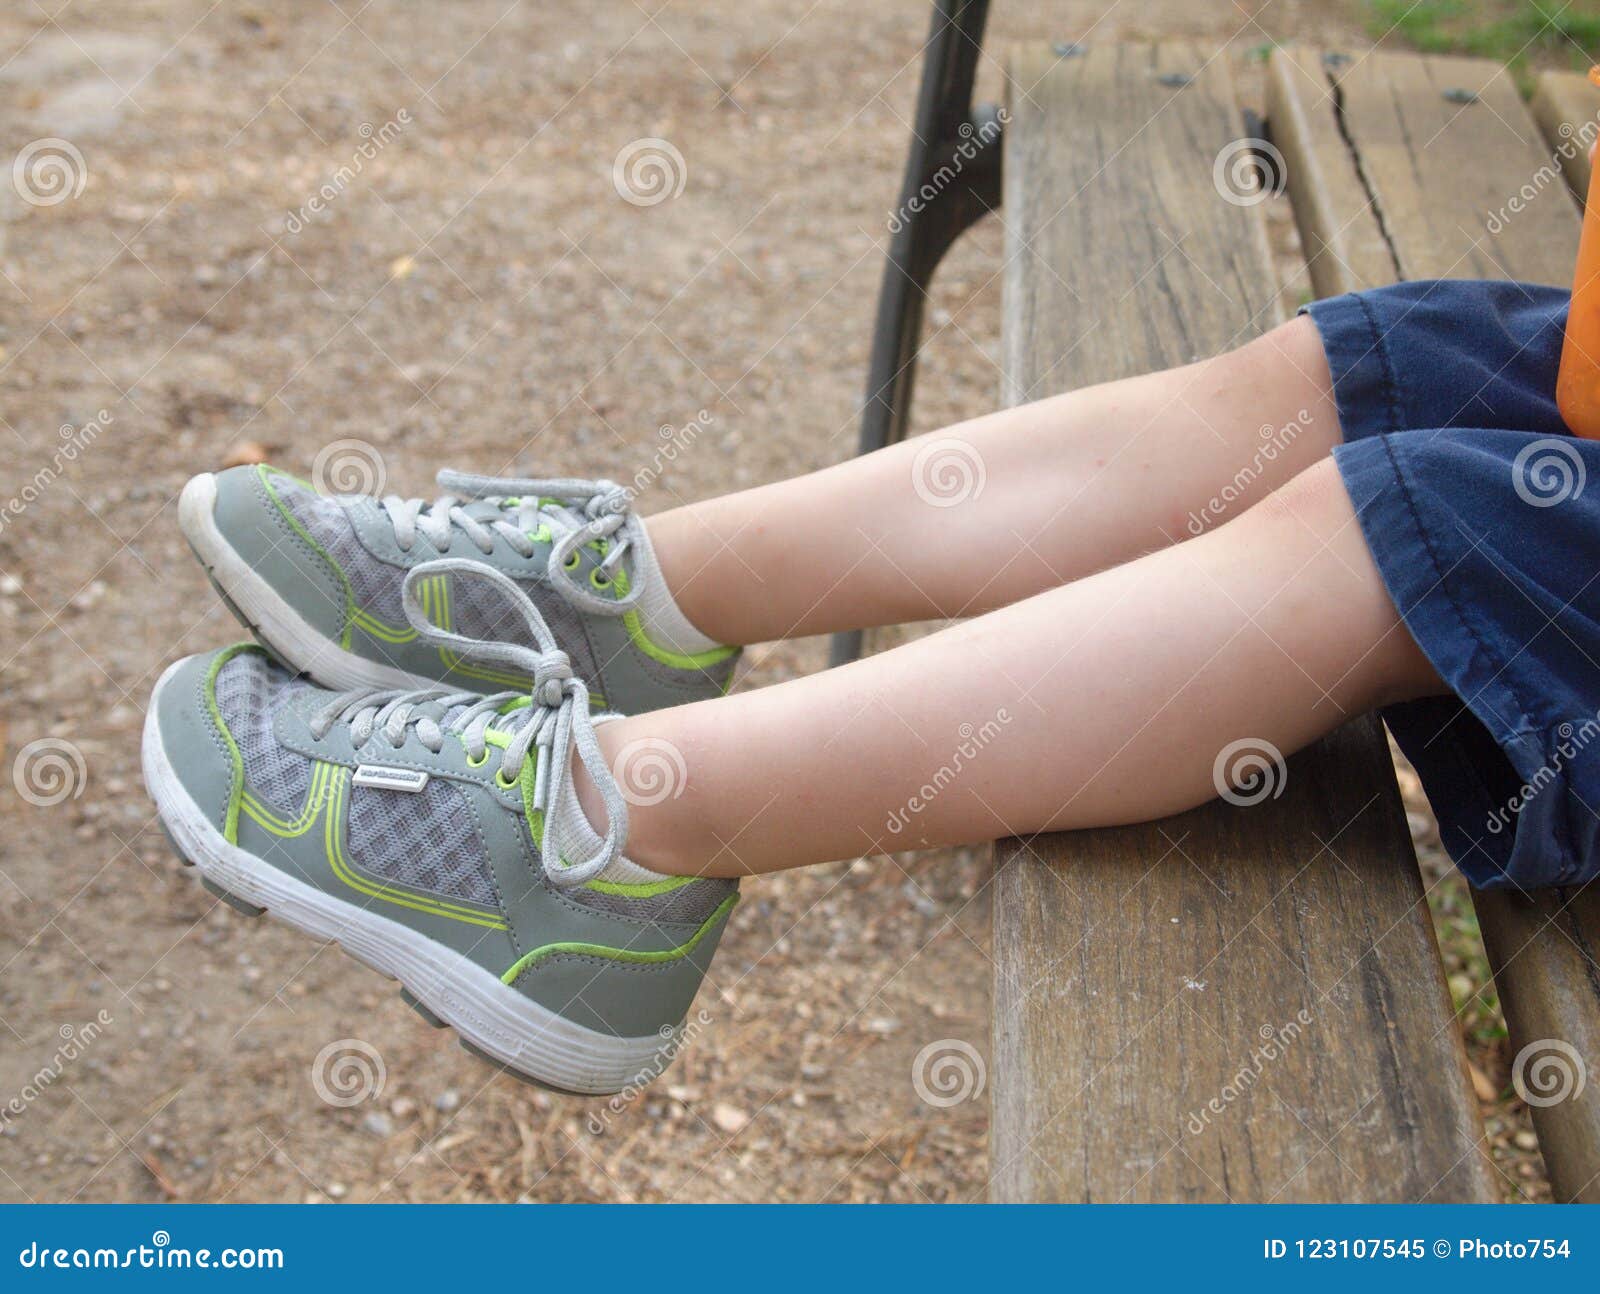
x=1247, y=1003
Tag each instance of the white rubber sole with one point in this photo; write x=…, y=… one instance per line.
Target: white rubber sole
x=495, y=1019
x=267, y=614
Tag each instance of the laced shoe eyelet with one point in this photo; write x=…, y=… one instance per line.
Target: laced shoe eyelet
x=480, y=761
x=599, y=578
x=572, y=561
x=500, y=781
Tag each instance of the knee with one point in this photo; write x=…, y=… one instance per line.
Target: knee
x=1314, y=499
x=1287, y=368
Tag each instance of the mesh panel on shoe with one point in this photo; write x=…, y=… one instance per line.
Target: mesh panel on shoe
x=478, y=610
x=376, y=584
x=693, y=902
x=427, y=841
x=250, y=690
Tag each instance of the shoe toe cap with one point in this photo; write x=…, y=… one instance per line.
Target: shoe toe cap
x=188, y=750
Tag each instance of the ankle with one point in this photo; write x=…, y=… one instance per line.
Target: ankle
x=652, y=843
x=681, y=555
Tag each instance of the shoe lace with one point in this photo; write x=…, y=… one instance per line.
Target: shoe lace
x=554, y=725
x=576, y=512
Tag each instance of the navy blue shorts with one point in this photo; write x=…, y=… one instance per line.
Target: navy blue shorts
x=1483, y=514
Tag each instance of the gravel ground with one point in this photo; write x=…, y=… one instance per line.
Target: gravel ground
x=471, y=290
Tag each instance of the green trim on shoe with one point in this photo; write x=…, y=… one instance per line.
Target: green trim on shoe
x=628, y=956
x=678, y=660
x=230, y=826
x=265, y=474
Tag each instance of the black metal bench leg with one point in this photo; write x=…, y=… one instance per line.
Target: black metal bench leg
x=952, y=179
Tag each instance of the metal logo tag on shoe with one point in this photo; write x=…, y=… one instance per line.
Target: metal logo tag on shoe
x=409, y=780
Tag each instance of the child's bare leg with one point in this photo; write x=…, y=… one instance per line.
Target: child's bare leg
x=1102, y=702
x=1070, y=485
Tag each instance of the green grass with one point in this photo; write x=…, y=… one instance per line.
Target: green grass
x=1549, y=33
x=1465, y=963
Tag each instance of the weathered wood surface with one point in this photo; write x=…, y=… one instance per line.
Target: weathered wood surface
x=1236, y=1003
x=1567, y=107
x=1475, y=150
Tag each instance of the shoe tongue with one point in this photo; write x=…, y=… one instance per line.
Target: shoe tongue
x=482, y=509
x=510, y=723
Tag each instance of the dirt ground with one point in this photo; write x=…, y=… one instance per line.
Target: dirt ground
x=474, y=293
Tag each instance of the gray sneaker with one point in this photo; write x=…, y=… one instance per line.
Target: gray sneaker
x=317, y=580
x=436, y=836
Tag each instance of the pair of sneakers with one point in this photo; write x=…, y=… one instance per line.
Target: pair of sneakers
x=390, y=763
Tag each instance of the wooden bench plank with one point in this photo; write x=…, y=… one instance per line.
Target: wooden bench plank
x=1237, y=1003
x=1568, y=100
x=1545, y=951
x=1344, y=245
x=1471, y=156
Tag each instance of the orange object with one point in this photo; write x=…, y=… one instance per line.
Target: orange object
x=1578, y=381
